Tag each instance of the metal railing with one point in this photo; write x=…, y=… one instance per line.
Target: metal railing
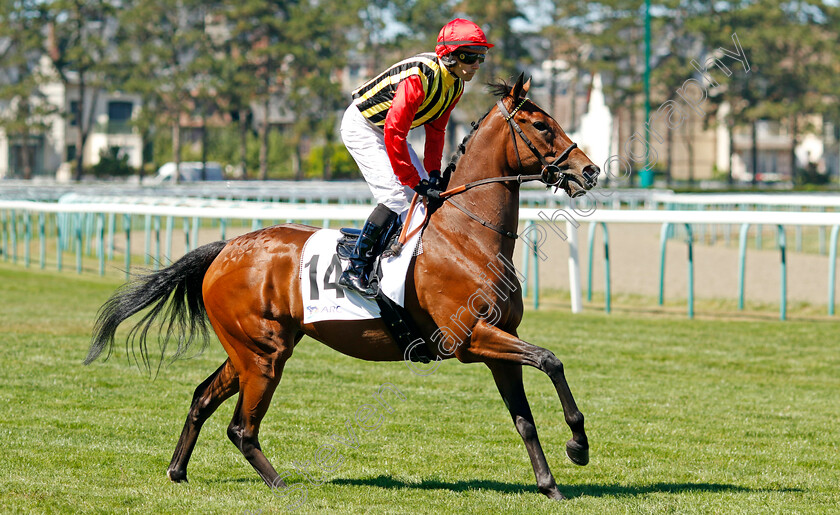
x=687, y=219
x=92, y=226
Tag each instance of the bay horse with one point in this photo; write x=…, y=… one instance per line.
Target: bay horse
x=249, y=291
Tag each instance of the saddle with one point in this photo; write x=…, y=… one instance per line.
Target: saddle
x=397, y=319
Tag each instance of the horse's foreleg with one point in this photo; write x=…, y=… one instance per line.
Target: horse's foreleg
x=490, y=344
x=208, y=396
x=509, y=382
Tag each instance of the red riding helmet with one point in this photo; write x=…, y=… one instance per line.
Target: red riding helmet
x=458, y=33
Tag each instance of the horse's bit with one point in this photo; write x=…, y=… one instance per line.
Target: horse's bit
x=544, y=176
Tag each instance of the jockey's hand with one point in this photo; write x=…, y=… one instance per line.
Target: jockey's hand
x=435, y=180
x=426, y=189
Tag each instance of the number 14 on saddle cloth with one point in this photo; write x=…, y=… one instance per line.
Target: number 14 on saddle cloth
x=320, y=268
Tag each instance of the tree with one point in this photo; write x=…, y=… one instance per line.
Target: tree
x=162, y=43
x=26, y=109
x=495, y=18
x=558, y=27
x=315, y=58
x=615, y=30
x=795, y=48
x=676, y=46
x=233, y=66
x=77, y=42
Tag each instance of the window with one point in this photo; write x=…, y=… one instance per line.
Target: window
x=71, y=153
x=119, y=111
x=74, y=113
x=33, y=157
x=119, y=117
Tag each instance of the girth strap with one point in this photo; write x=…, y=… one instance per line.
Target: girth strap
x=403, y=330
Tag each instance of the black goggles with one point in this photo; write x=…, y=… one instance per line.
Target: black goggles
x=470, y=57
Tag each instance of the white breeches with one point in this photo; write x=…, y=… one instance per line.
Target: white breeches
x=367, y=146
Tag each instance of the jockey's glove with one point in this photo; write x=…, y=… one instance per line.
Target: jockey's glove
x=435, y=180
x=425, y=189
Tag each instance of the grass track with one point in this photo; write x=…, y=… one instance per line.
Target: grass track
x=683, y=417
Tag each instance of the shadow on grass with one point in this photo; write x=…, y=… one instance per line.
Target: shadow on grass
x=590, y=490
x=615, y=490
x=242, y=480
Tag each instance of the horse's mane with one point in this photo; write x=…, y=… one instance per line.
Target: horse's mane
x=499, y=89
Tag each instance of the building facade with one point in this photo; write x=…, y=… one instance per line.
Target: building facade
x=52, y=152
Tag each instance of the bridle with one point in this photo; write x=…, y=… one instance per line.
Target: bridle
x=545, y=175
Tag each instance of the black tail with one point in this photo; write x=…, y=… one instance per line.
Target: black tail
x=185, y=312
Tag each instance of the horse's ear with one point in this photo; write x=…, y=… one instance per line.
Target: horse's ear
x=526, y=86
x=519, y=90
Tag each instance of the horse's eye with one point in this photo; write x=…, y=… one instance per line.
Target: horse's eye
x=540, y=126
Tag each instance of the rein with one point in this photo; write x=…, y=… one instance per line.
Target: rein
x=544, y=176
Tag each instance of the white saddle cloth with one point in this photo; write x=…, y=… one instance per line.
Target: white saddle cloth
x=320, y=268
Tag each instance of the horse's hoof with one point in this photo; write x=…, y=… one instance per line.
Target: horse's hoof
x=557, y=496
x=577, y=453
x=176, y=476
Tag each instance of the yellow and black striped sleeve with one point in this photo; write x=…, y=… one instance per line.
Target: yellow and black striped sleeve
x=374, y=98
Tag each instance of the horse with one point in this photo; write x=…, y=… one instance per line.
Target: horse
x=248, y=290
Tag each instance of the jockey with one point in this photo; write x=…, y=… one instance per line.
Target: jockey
x=420, y=90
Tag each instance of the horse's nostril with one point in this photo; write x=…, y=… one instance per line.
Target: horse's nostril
x=578, y=193
x=590, y=174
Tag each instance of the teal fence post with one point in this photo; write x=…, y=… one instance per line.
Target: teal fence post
x=156, y=264
x=14, y=237
x=607, y=287
x=100, y=242
x=58, y=245
x=663, y=238
x=89, y=228
x=127, y=228
x=112, y=222
x=61, y=231
x=536, y=260
x=832, y=267
x=147, y=247
x=526, y=260
x=222, y=227
x=42, y=239
x=186, y=236
x=782, y=248
x=589, y=273
x=78, y=233
x=27, y=237
x=690, y=241
x=742, y=259
x=170, y=225
x=4, y=234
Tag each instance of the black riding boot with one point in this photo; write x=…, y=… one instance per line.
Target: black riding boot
x=354, y=278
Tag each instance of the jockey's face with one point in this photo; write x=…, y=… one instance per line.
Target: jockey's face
x=465, y=69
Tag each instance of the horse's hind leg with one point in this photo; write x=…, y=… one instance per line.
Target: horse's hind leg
x=258, y=379
x=255, y=395
x=208, y=396
x=509, y=382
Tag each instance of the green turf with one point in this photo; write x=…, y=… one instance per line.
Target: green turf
x=703, y=416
